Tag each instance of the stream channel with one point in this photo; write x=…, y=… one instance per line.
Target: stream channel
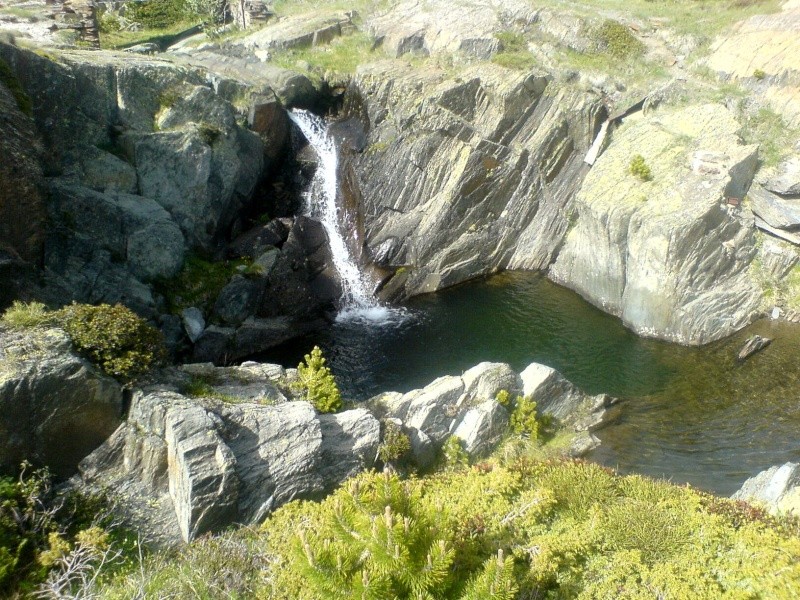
x=691, y=415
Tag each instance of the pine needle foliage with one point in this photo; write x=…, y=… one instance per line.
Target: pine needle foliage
x=374, y=543
x=523, y=418
x=318, y=383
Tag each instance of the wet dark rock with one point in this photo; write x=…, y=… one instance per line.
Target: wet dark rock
x=256, y=241
x=239, y=299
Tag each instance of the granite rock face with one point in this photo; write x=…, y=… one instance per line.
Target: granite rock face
x=764, y=51
x=668, y=256
x=22, y=188
x=465, y=177
x=55, y=407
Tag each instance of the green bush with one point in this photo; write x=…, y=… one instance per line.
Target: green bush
x=504, y=399
x=395, y=445
x=115, y=338
x=39, y=527
x=759, y=74
x=566, y=529
x=618, y=40
x=24, y=315
x=374, y=538
x=317, y=381
x=639, y=168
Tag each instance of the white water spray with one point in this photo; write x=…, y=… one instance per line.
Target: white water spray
x=357, y=300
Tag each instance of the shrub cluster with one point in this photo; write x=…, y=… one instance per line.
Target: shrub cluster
x=564, y=529
x=46, y=537
x=318, y=384
x=395, y=445
x=639, y=168
x=618, y=40
x=114, y=338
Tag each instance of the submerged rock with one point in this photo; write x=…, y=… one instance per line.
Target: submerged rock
x=753, y=344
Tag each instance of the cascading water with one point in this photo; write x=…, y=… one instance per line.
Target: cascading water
x=357, y=301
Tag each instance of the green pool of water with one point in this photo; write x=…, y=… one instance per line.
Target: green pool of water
x=693, y=415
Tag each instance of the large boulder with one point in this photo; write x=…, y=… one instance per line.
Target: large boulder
x=133, y=229
x=233, y=453
x=202, y=471
x=55, y=407
x=668, y=256
x=778, y=488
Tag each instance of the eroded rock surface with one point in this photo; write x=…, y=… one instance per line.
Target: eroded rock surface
x=465, y=177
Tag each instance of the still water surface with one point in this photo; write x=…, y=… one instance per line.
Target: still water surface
x=692, y=415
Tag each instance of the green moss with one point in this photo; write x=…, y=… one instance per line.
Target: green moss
x=199, y=283
x=10, y=80
x=519, y=61
x=513, y=52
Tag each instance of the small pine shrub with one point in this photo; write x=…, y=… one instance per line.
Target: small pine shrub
x=115, y=338
x=317, y=381
x=759, y=74
x=453, y=453
x=22, y=315
x=496, y=581
x=396, y=444
x=523, y=418
x=639, y=168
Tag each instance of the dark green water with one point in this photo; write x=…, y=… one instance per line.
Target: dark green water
x=692, y=415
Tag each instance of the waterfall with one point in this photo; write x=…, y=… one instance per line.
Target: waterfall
x=320, y=203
